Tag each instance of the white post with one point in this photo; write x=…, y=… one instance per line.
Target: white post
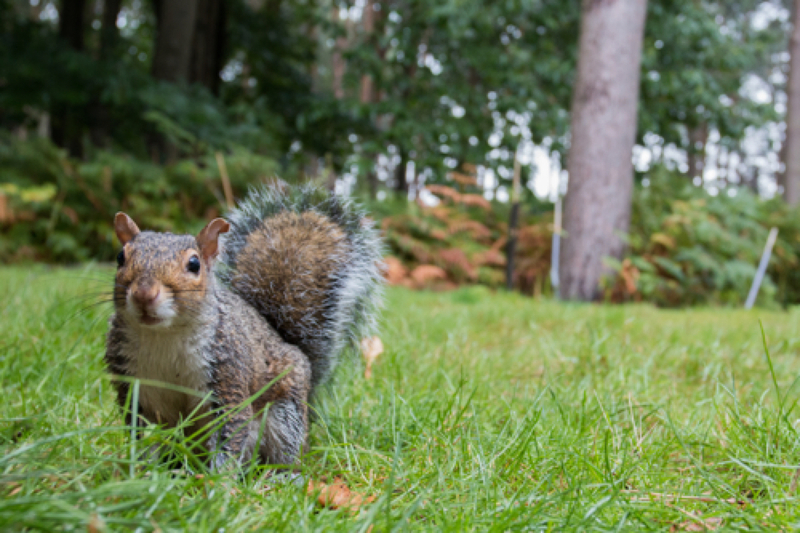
x=762, y=269
x=556, y=252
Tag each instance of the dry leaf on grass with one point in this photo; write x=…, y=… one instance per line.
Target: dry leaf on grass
x=371, y=348
x=695, y=522
x=96, y=524
x=337, y=496
x=708, y=524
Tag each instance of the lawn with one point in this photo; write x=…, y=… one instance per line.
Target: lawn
x=486, y=412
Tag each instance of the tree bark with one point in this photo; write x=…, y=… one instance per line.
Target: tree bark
x=698, y=137
x=109, y=39
x=367, y=89
x=109, y=33
x=513, y=222
x=400, y=181
x=338, y=65
x=66, y=130
x=604, y=107
x=208, y=44
x=174, y=38
x=791, y=153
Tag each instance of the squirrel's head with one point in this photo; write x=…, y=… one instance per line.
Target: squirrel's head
x=162, y=278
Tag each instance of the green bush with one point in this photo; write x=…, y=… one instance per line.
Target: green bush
x=687, y=247
x=56, y=209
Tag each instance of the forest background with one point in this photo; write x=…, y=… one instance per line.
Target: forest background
x=427, y=112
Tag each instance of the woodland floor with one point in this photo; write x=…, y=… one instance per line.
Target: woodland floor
x=486, y=412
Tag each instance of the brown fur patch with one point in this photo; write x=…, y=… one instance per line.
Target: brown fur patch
x=312, y=248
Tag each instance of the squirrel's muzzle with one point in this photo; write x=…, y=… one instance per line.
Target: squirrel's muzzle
x=145, y=295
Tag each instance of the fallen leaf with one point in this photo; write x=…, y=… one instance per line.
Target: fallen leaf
x=96, y=524
x=337, y=496
x=371, y=348
x=697, y=523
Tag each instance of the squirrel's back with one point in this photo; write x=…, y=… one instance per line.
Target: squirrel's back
x=309, y=262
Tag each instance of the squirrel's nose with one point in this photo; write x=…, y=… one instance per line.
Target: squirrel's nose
x=145, y=295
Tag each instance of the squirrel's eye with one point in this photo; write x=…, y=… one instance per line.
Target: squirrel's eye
x=193, y=265
x=121, y=258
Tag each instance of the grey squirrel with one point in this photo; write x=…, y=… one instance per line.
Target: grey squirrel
x=275, y=293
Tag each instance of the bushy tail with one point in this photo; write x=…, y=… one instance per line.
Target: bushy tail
x=310, y=263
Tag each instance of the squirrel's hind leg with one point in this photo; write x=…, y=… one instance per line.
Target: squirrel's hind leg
x=284, y=432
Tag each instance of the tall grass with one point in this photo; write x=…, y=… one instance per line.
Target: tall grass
x=487, y=412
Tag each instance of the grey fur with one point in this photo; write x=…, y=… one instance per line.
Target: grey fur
x=351, y=309
x=221, y=335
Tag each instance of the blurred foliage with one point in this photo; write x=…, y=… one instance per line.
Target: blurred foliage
x=688, y=247
x=56, y=209
x=453, y=83
x=697, y=58
x=463, y=241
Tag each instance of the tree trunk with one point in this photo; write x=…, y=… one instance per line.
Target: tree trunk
x=109, y=39
x=338, y=65
x=66, y=130
x=174, y=39
x=368, y=18
x=513, y=222
x=604, y=106
x=109, y=33
x=791, y=154
x=208, y=44
x=400, y=181
x=698, y=137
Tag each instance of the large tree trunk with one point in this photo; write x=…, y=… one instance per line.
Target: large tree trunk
x=604, y=106
x=208, y=45
x=791, y=152
x=66, y=130
x=109, y=33
x=174, y=39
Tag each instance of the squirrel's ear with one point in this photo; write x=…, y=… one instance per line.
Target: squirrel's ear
x=208, y=238
x=125, y=228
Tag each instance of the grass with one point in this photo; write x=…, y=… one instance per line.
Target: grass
x=487, y=412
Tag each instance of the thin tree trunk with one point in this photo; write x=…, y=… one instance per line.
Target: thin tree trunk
x=698, y=137
x=604, y=106
x=791, y=154
x=513, y=222
x=109, y=33
x=367, y=95
x=66, y=130
x=368, y=18
x=172, y=58
x=372, y=185
x=174, y=39
x=400, y=181
x=208, y=44
x=338, y=65
x=109, y=39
